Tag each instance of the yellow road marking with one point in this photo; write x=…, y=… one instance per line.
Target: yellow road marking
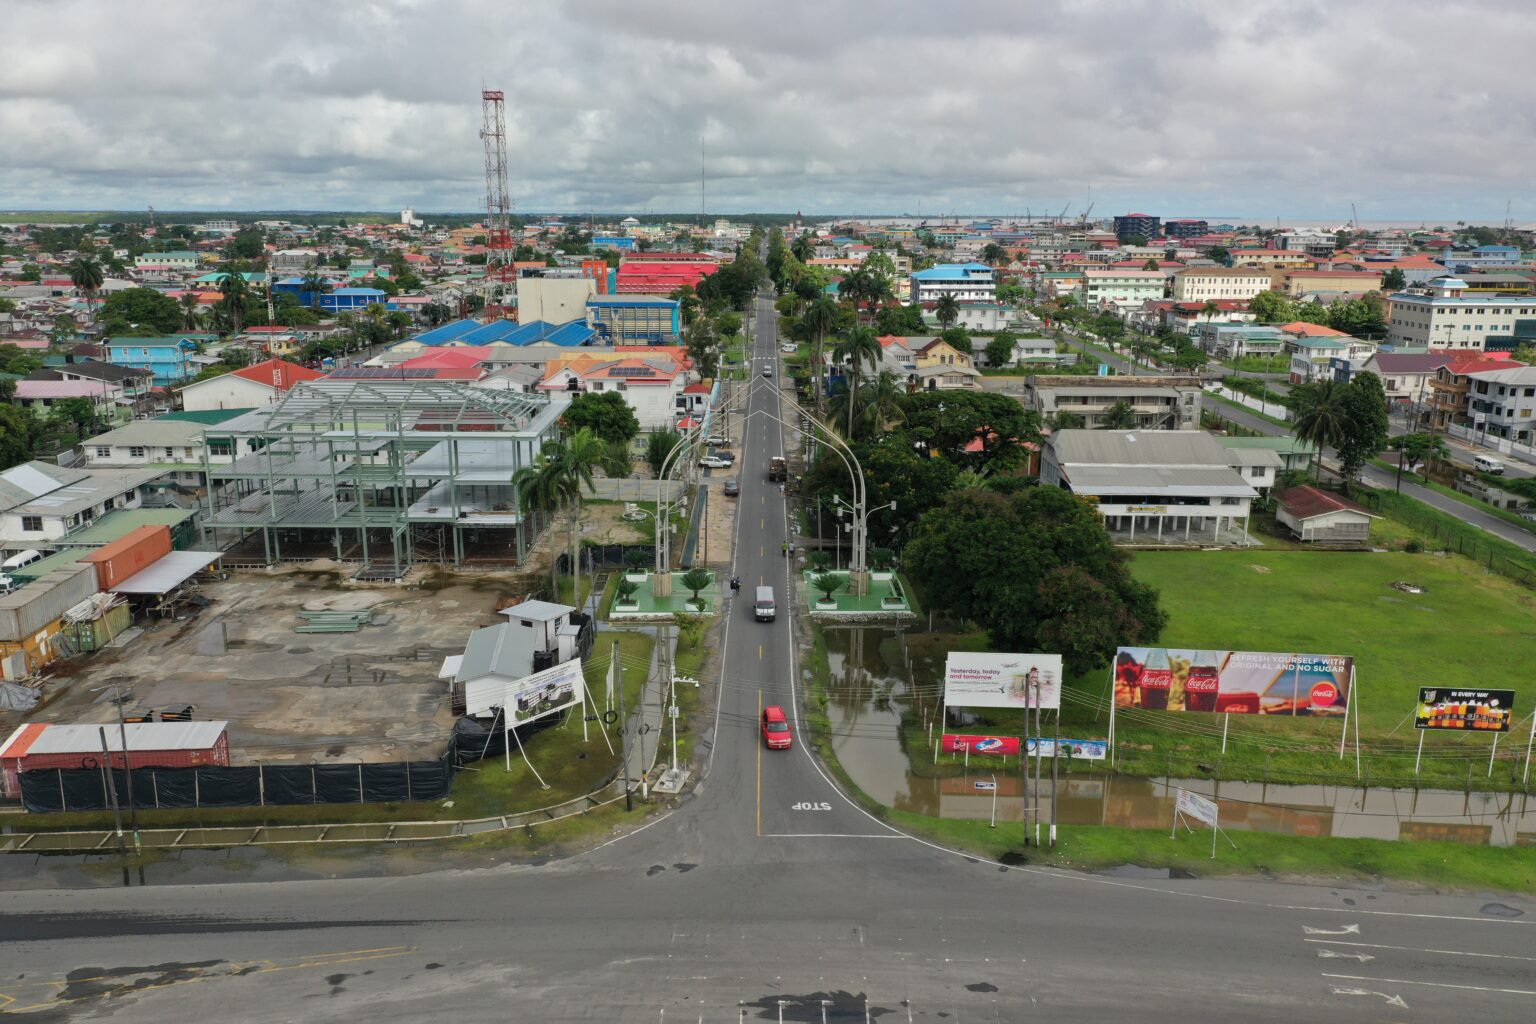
x=759, y=760
x=759, y=656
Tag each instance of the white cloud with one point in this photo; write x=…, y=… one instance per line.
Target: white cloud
x=1406, y=107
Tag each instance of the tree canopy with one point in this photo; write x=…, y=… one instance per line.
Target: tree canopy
x=605, y=413
x=140, y=311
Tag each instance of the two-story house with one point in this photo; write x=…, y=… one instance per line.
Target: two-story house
x=967, y=282
x=653, y=386
x=1158, y=403
x=41, y=503
x=1502, y=403
x=1450, y=388
x=170, y=359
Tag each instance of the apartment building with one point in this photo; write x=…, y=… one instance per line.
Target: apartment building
x=1206, y=284
x=1131, y=224
x=967, y=282
x=1446, y=315
x=1122, y=289
x=1503, y=403
x=1159, y=403
x=1296, y=283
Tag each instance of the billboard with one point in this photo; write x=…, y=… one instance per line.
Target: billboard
x=1083, y=750
x=1480, y=710
x=1193, y=805
x=530, y=697
x=1232, y=682
x=983, y=680
x=957, y=743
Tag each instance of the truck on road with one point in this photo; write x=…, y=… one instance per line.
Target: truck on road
x=778, y=469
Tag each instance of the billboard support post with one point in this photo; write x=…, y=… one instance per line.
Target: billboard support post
x=1529, y=740
x=1349, y=703
x=1354, y=699
x=1038, y=755
x=1112, y=704
x=1419, y=756
x=520, y=750
x=1226, y=720
x=1491, y=752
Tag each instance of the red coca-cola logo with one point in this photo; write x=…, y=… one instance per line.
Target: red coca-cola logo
x=1324, y=695
x=1201, y=684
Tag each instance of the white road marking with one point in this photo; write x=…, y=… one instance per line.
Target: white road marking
x=829, y=835
x=1349, y=929
x=1393, y=1000
x=1395, y=913
x=1434, y=984
x=1329, y=954
x=1416, y=949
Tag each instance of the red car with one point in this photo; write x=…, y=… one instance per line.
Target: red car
x=776, y=732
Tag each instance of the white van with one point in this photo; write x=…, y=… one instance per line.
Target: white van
x=1488, y=464
x=21, y=559
x=763, y=609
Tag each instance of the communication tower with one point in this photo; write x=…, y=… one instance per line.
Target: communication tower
x=499, y=273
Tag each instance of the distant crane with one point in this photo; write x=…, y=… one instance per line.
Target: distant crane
x=1083, y=220
x=1062, y=215
x=151, y=218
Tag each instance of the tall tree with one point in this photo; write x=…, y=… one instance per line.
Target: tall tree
x=820, y=317
x=236, y=297
x=1394, y=280
x=86, y=274
x=947, y=309
x=605, y=413
x=1320, y=415
x=1364, y=430
x=858, y=347
x=1119, y=416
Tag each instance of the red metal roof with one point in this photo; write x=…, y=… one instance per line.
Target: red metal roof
x=278, y=373
x=1307, y=502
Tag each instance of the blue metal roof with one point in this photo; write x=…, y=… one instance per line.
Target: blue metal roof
x=951, y=271
x=448, y=332
x=496, y=330
x=357, y=291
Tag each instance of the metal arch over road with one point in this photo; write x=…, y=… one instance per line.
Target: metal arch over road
x=766, y=896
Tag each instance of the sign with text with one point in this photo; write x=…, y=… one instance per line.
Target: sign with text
x=1083, y=750
x=531, y=697
x=1232, y=682
x=974, y=679
x=1465, y=709
x=1193, y=805
x=956, y=743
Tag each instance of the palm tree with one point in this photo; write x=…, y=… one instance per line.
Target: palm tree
x=190, y=314
x=859, y=347
x=538, y=492
x=1322, y=419
x=578, y=456
x=85, y=273
x=1119, y=416
x=695, y=580
x=803, y=248
x=236, y=296
x=1210, y=310
x=820, y=316
x=313, y=284
x=884, y=403
x=947, y=309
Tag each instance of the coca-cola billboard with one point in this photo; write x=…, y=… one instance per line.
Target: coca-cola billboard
x=1232, y=682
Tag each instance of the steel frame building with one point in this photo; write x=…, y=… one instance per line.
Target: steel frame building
x=391, y=472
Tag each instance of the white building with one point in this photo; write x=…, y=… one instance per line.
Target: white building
x=1122, y=289
x=653, y=387
x=247, y=388
x=967, y=282
x=1503, y=403
x=1313, y=358
x=1158, y=485
x=554, y=300
x=1205, y=284
x=1158, y=403
x=1446, y=315
x=41, y=503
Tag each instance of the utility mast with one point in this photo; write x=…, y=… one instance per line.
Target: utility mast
x=499, y=273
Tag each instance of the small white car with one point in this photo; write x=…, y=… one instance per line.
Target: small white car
x=715, y=462
x=786, y=348
x=768, y=371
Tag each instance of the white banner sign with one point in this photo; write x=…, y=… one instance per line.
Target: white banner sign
x=1083, y=750
x=983, y=680
x=530, y=697
x=1193, y=805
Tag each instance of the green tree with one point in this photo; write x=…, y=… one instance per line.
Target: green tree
x=246, y=244
x=1364, y=432
x=658, y=446
x=901, y=321
x=236, y=297
x=18, y=429
x=703, y=346
x=1008, y=563
x=803, y=248
x=1211, y=310
x=1119, y=416
x=85, y=273
x=947, y=309
x=695, y=580
x=140, y=311
x=858, y=347
x=1413, y=449
x=1271, y=308
x=993, y=254
x=820, y=317
x=1189, y=358
x=1220, y=254
x=1000, y=350
x=605, y=413
x=1068, y=421
x=1320, y=415
x=313, y=285
x=828, y=583
x=1525, y=353
x=1394, y=280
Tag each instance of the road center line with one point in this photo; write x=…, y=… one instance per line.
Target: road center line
x=1433, y=984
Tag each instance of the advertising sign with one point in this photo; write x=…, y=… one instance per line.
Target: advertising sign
x=984, y=680
x=1481, y=710
x=1232, y=682
x=1083, y=750
x=531, y=697
x=1193, y=805
x=955, y=743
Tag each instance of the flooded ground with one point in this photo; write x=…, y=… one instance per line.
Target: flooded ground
x=874, y=681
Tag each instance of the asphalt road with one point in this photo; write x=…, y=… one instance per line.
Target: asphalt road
x=766, y=896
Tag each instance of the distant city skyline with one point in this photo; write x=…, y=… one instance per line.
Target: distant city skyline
x=1292, y=109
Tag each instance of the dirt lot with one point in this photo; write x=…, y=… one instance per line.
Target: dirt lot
x=373, y=695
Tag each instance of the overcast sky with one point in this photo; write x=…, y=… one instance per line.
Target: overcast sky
x=1223, y=108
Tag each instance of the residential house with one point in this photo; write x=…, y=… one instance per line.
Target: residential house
x=1405, y=376
x=653, y=386
x=929, y=364
x=1446, y=316
x=171, y=359
x=1502, y=403
x=967, y=282
x=1295, y=455
x=1158, y=403
x=983, y=316
x=1033, y=351
x=40, y=503
x=1206, y=284
x=1314, y=358
x=1483, y=257
x=247, y=388
x=176, y=447
x=39, y=397
x=1235, y=341
x=1166, y=485
x=1451, y=386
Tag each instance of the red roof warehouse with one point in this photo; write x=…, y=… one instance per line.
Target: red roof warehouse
x=42, y=746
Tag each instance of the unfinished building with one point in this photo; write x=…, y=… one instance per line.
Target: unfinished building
x=386, y=473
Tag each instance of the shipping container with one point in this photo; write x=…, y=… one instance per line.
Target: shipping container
x=33, y=608
x=133, y=552
x=43, y=746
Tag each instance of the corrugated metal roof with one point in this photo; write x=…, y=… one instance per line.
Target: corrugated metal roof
x=1138, y=448
x=86, y=739
x=1161, y=481
x=537, y=611
x=168, y=573
x=505, y=651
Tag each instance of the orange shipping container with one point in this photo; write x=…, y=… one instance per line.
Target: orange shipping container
x=133, y=552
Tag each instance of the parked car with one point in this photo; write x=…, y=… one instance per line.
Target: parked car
x=724, y=453
x=786, y=348
x=717, y=441
x=732, y=488
x=716, y=462
x=776, y=734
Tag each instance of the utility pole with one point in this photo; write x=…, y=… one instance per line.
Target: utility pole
x=111, y=788
x=122, y=735
x=618, y=671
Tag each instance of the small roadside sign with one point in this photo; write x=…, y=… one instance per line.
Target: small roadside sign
x=984, y=785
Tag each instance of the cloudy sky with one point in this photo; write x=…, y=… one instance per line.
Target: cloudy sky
x=1257, y=110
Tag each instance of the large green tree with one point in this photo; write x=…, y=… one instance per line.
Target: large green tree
x=1364, y=431
x=1037, y=569
x=605, y=413
x=859, y=347
x=140, y=311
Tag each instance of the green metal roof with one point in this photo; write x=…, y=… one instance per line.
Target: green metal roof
x=58, y=560
x=207, y=416
x=1275, y=444
x=121, y=522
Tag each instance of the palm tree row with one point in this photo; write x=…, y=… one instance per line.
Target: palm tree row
x=557, y=482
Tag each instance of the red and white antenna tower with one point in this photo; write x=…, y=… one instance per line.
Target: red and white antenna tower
x=499, y=273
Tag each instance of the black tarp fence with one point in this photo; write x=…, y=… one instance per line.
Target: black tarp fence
x=85, y=789
x=607, y=556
